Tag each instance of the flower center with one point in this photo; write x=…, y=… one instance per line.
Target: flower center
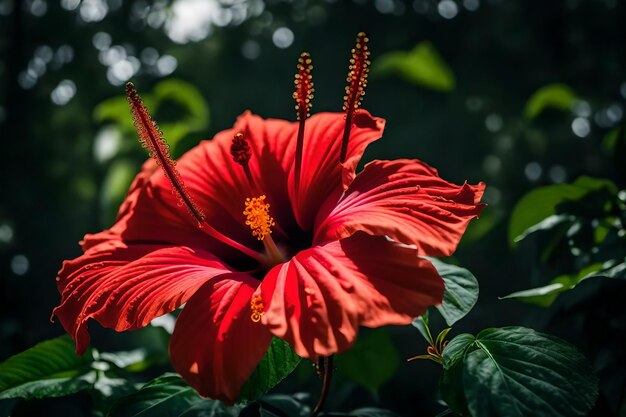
x=258, y=217
x=257, y=211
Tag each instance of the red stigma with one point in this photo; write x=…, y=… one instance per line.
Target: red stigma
x=355, y=90
x=240, y=150
x=151, y=137
x=304, y=86
x=357, y=74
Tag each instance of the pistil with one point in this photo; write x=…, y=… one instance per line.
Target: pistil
x=151, y=137
x=303, y=96
x=240, y=150
x=257, y=211
x=355, y=90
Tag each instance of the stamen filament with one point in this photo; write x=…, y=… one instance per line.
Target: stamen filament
x=152, y=138
x=299, y=148
x=303, y=96
x=355, y=90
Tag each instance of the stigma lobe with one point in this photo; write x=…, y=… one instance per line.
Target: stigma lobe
x=304, y=86
x=240, y=150
x=303, y=96
x=357, y=74
x=151, y=137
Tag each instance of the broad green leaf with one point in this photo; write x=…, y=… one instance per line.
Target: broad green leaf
x=421, y=324
x=279, y=361
x=548, y=223
x=168, y=396
x=49, y=369
x=546, y=295
x=541, y=203
x=461, y=291
x=554, y=96
x=371, y=362
x=518, y=372
x=422, y=66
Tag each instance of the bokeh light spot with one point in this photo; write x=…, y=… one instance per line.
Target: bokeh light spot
x=63, y=92
x=581, y=127
x=283, y=37
x=447, y=9
x=20, y=265
x=533, y=171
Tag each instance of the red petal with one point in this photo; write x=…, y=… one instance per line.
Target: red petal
x=125, y=287
x=151, y=212
x=322, y=175
x=317, y=301
x=216, y=346
x=407, y=201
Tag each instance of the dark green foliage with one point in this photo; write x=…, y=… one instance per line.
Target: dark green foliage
x=517, y=372
x=168, y=396
x=371, y=362
x=279, y=361
x=461, y=291
x=49, y=369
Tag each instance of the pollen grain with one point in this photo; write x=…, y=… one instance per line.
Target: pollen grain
x=257, y=307
x=258, y=217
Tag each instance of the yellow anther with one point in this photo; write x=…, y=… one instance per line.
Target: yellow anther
x=258, y=217
x=257, y=307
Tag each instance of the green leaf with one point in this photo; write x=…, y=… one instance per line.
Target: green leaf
x=475, y=231
x=455, y=350
x=191, y=115
x=546, y=295
x=534, y=209
x=117, y=110
x=421, y=324
x=114, y=188
x=518, y=372
x=423, y=66
x=451, y=383
x=371, y=362
x=49, y=369
x=554, y=96
x=168, y=395
x=187, y=96
x=279, y=361
x=461, y=291
x=610, y=139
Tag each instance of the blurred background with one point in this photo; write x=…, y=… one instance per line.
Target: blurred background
x=518, y=94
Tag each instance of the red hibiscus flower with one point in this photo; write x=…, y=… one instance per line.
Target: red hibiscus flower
x=280, y=236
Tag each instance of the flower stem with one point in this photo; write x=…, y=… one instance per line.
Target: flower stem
x=326, y=369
